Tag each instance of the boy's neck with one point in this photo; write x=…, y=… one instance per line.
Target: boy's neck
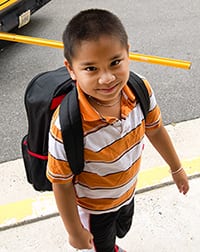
x=110, y=109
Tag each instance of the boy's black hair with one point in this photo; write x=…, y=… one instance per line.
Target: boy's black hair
x=90, y=25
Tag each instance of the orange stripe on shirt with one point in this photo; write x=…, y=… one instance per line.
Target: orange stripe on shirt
x=102, y=204
x=61, y=173
x=92, y=180
x=120, y=146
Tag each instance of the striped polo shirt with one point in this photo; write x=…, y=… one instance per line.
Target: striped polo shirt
x=112, y=153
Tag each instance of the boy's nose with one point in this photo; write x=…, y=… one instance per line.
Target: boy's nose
x=106, y=78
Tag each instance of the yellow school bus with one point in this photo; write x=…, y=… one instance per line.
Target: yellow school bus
x=17, y=13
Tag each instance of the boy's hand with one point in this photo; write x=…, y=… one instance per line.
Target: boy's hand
x=82, y=240
x=181, y=181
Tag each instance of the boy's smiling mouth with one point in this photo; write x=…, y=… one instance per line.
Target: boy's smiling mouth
x=108, y=89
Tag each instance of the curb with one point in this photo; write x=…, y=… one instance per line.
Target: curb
x=43, y=206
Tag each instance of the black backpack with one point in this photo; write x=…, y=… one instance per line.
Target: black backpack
x=43, y=95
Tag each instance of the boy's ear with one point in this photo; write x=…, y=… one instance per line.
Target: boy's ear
x=70, y=70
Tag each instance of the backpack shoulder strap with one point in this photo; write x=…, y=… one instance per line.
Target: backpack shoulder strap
x=139, y=89
x=72, y=132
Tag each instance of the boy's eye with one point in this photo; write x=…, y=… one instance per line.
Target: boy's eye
x=91, y=68
x=115, y=62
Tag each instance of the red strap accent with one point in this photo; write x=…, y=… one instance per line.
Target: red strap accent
x=56, y=101
x=116, y=248
x=25, y=142
x=37, y=155
x=33, y=154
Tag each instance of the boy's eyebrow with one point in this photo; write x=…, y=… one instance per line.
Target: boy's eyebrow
x=87, y=63
x=116, y=57
x=93, y=63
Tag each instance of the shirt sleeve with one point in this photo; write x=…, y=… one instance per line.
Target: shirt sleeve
x=58, y=170
x=154, y=118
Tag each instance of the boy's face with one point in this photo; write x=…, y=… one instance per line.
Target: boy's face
x=101, y=68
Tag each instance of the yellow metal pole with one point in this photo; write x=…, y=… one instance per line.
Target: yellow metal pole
x=133, y=56
x=30, y=40
x=159, y=60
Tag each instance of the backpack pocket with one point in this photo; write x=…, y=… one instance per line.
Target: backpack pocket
x=35, y=168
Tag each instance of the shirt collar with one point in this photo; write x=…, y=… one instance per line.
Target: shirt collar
x=90, y=114
x=87, y=111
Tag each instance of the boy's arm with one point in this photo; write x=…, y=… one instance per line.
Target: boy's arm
x=79, y=237
x=162, y=143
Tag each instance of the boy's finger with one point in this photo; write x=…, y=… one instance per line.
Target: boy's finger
x=183, y=188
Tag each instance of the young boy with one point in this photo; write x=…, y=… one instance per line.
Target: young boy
x=97, y=206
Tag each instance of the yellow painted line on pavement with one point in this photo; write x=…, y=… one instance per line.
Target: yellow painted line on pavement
x=160, y=175
x=29, y=210
x=24, y=211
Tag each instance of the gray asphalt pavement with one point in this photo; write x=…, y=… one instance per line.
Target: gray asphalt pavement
x=165, y=28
